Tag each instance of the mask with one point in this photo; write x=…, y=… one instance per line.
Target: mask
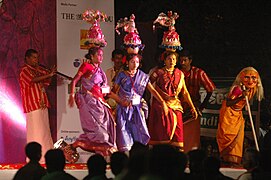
x=249, y=78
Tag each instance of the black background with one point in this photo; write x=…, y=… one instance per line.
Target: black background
x=224, y=35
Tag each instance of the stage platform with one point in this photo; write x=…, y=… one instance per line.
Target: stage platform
x=7, y=171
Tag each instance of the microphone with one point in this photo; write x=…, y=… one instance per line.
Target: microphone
x=59, y=73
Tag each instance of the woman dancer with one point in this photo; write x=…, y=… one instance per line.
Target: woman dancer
x=170, y=84
x=131, y=120
x=95, y=116
x=230, y=132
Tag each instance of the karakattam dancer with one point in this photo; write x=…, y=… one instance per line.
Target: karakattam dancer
x=95, y=115
x=131, y=120
x=169, y=82
x=130, y=84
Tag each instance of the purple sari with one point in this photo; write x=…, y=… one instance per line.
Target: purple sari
x=96, y=119
x=131, y=121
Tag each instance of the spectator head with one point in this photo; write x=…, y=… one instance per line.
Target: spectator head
x=167, y=161
x=196, y=158
x=118, y=161
x=55, y=160
x=33, y=151
x=96, y=165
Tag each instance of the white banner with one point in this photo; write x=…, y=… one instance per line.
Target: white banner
x=70, y=28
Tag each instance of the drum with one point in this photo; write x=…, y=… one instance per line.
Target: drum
x=70, y=152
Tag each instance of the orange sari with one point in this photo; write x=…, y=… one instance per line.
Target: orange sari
x=230, y=132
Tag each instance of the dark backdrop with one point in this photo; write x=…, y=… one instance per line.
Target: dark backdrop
x=223, y=35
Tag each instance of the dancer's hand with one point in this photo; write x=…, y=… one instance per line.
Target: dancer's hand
x=53, y=71
x=71, y=100
x=125, y=103
x=165, y=108
x=245, y=92
x=194, y=113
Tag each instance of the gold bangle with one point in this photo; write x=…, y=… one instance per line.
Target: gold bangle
x=72, y=94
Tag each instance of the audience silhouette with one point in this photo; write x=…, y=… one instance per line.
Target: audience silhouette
x=167, y=162
x=55, y=163
x=96, y=168
x=118, y=163
x=159, y=162
x=32, y=170
x=138, y=161
x=195, y=163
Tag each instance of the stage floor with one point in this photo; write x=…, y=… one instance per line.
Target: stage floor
x=7, y=171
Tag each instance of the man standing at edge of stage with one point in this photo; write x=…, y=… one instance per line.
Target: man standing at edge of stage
x=194, y=79
x=33, y=80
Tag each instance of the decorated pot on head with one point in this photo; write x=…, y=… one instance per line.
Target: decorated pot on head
x=71, y=155
x=131, y=41
x=95, y=35
x=171, y=39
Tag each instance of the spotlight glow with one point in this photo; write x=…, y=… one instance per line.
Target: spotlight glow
x=9, y=107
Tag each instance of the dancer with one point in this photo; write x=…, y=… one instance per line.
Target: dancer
x=131, y=120
x=195, y=78
x=170, y=84
x=33, y=80
x=95, y=115
x=230, y=132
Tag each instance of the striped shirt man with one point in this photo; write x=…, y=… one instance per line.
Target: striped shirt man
x=33, y=94
x=194, y=79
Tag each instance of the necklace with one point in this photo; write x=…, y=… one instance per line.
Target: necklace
x=131, y=73
x=169, y=70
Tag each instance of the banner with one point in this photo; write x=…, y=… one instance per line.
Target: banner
x=71, y=29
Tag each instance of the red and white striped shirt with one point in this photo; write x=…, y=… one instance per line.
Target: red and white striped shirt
x=194, y=79
x=33, y=94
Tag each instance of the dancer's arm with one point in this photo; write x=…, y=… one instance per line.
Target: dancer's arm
x=158, y=97
x=114, y=95
x=235, y=96
x=76, y=78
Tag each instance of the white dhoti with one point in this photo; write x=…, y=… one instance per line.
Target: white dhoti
x=38, y=129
